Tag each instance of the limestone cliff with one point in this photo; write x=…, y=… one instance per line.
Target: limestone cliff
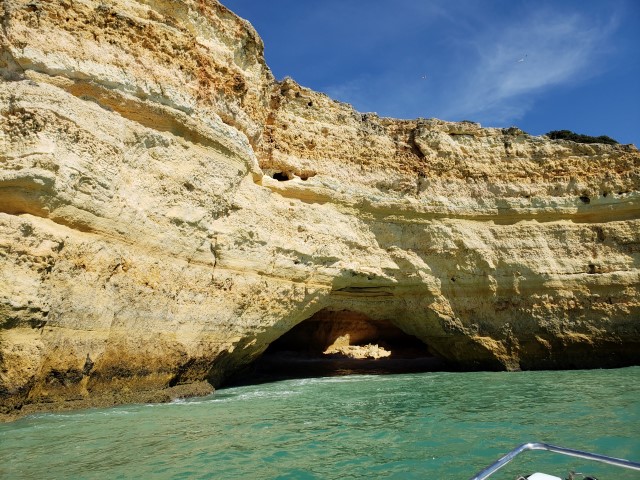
x=168, y=210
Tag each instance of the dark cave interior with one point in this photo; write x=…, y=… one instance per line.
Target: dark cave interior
x=345, y=342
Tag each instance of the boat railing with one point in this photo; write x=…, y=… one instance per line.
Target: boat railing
x=618, y=462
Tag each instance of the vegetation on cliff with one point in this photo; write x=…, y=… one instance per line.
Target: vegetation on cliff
x=579, y=138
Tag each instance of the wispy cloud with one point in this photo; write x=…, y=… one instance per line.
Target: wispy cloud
x=471, y=60
x=540, y=51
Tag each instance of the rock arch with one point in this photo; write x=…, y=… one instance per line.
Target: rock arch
x=338, y=342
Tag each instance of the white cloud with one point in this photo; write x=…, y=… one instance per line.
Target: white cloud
x=554, y=50
x=470, y=58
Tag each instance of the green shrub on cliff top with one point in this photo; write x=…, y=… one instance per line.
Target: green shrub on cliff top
x=579, y=138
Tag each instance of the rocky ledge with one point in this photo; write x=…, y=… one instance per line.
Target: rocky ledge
x=168, y=210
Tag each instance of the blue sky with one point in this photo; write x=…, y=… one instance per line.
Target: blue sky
x=540, y=65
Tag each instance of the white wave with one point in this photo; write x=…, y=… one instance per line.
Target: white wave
x=267, y=394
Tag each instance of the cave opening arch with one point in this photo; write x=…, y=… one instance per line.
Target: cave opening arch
x=340, y=342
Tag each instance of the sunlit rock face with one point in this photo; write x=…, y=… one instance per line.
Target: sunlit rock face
x=168, y=210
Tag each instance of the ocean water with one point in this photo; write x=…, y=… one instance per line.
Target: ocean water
x=413, y=426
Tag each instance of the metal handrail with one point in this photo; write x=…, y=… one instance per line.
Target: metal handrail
x=618, y=462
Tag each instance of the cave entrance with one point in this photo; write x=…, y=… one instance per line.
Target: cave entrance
x=340, y=343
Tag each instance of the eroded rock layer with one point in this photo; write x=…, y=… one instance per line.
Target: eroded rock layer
x=168, y=210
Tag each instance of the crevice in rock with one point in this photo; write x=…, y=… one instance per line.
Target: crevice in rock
x=374, y=291
x=333, y=343
x=413, y=145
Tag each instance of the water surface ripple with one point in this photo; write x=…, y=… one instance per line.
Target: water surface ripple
x=415, y=426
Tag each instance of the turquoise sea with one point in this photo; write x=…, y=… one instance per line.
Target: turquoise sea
x=413, y=426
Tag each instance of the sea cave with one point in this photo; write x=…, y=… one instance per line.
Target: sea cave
x=332, y=343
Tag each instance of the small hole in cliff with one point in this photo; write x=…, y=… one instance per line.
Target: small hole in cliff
x=605, y=194
x=189, y=186
x=453, y=279
x=592, y=270
x=281, y=176
x=585, y=199
x=310, y=104
x=345, y=342
x=26, y=230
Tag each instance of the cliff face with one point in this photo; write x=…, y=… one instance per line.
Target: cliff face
x=168, y=210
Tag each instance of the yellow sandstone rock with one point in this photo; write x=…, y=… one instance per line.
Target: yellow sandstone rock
x=168, y=210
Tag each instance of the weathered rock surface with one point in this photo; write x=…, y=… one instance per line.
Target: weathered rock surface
x=168, y=209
